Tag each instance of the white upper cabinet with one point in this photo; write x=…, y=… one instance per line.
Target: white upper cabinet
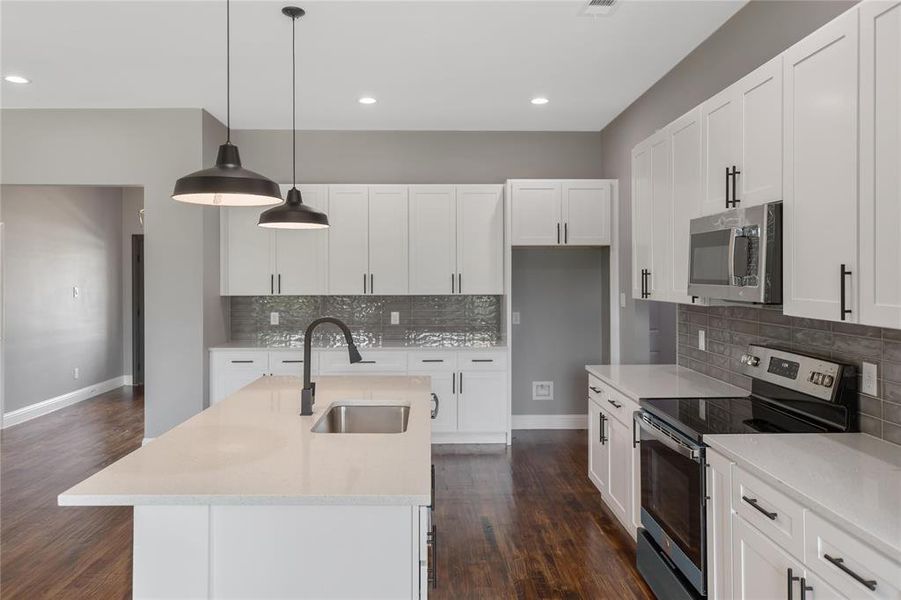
x=642, y=215
x=480, y=239
x=348, y=239
x=561, y=212
x=248, y=261
x=760, y=135
x=721, y=119
x=658, y=279
x=433, y=239
x=586, y=213
x=687, y=185
x=537, y=213
x=301, y=255
x=820, y=171
x=388, y=240
x=880, y=164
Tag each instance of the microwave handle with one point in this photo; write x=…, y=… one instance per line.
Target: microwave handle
x=733, y=233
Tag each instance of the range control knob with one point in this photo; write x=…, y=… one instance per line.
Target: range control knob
x=753, y=361
x=827, y=380
x=818, y=378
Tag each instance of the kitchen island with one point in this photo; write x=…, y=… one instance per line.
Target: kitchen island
x=246, y=500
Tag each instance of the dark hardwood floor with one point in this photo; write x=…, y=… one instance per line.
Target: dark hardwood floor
x=519, y=522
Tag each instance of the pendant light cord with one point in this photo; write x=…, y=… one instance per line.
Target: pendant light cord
x=228, y=72
x=293, y=103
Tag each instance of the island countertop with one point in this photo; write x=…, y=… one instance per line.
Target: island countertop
x=254, y=448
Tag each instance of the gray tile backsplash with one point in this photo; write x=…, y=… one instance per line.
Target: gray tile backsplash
x=729, y=330
x=424, y=320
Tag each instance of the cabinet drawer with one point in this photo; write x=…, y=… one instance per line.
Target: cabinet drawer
x=614, y=402
x=243, y=359
x=290, y=362
x=482, y=361
x=776, y=515
x=853, y=568
x=429, y=361
x=335, y=362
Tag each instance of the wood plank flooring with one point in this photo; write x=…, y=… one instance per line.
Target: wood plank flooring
x=518, y=522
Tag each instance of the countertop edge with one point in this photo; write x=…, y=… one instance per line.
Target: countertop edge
x=299, y=348
x=820, y=509
x=734, y=391
x=240, y=500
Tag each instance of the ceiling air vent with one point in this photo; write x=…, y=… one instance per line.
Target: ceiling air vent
x=599, y=8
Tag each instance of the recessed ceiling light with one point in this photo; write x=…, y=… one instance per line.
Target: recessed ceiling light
x=539, y=100
x=366, y=100
x=16, y=79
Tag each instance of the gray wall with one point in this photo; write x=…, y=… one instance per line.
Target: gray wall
x=132, y=203
x=561, y=295
x=149, y=148
x=758, y=32
x=58, y=238
x=421, y=156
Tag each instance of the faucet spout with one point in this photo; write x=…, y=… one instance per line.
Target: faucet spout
x=308, y=394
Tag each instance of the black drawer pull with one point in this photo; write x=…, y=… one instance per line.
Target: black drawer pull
x=366, y=362
x=433, y=567
x=242, y=361
x=594, y=389
x=482, y=360
x=870, y=584
x=791, y=580
x=291, y=362
x=615, y=404
x=432, y=360
x=753, y=502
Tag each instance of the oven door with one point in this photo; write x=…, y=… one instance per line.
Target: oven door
x=673, y=497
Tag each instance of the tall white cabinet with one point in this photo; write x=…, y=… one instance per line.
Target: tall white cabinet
x=820, y=167
x=685, y=134
x=651, y=217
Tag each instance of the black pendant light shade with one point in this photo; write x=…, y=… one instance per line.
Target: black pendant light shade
x=293, y=214
x=227, y=184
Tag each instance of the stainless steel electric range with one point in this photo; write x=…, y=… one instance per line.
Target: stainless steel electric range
x=790, y=393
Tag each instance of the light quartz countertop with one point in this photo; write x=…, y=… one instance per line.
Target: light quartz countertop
x=850, y=479
x=254, y=448
x=299, y=346
x=663, y=381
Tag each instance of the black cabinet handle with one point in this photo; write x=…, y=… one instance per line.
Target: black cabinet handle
x=805, y=588
x=366, y=362
x=566, y=233
x=753, y=502
x=728, y=174
x=433, y=567
x=635, y=441
x=735, y=174
x=870, y=584
x=291, y=362
x=452, y=284
x=461, y=382
x=459, y=283
x=279, y=283
x=432, y=360
x=242, y=361
x=845, y=272
x=558, y=233
x=482, y=360
x=432, y=505
x=601, y=437
x=615, y=404
x=454, y=384
x=791, y=584
x=271, y=283
x=371, y=283
x=364, y=283
x=594, y=389
x=435, y=415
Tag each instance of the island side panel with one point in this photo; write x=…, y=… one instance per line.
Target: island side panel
x=171, y=552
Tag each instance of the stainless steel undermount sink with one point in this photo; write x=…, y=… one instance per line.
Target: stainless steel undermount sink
x=363, y=418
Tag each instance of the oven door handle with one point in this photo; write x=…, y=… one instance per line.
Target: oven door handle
x=671, y=442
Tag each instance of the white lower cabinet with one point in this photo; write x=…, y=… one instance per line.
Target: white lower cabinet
x=481, y=401
x=719, y=526
x=761, y=570
x=598, y=450
x=619, y=490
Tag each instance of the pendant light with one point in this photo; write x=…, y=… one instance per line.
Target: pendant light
x=227, y=183
x=293, y=214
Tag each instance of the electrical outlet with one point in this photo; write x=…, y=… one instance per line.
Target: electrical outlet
x=542, y=390
x=75, y=373
x=516, y=317
x=702, y=339
x=395, y=317
x=75, y=291
x=870, y=379
x=273, y=318
x=622, y=300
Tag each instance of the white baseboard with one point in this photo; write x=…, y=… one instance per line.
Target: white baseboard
x=146, y=441
x=48, y=406
x=455, y=437
x=550, y=421
x=127, y=380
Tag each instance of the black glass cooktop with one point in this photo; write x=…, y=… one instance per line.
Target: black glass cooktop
x=697, y=417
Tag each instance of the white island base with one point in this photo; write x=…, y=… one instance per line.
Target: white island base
x=296, y=551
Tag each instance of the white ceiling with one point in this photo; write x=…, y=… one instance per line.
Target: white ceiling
x=445, y=65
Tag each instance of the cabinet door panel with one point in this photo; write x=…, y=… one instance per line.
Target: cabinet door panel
x=598, y=450
x=348, y=238
x=249, y=252
x=760, y=135
x=388, y=239
x=480, y=239
x=536, y=214
x=586, y=213
x=443, y=386
x=759, y=566
x=820, y=164
x=482, y=401
x=433, y=238
x=720, y=119
x=661, y=219
x=880, y=164
x=619, y=488
x=642, y=211
x=719, y=526
x=685, y=152
x=301, y=255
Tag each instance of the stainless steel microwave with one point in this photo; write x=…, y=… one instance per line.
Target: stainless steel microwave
x=737, y=255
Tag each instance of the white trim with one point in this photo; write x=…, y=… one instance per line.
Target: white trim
x=457, y=437
x=128, y=380
x=550, y=421
x=146, y=441
x=48, y=406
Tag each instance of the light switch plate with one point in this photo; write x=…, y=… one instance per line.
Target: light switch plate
x=273, y=318
x=516, y=317
x=395, y=317
x=75, y=373
x=622, y=300
x=870, y=378
x=702, y=339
